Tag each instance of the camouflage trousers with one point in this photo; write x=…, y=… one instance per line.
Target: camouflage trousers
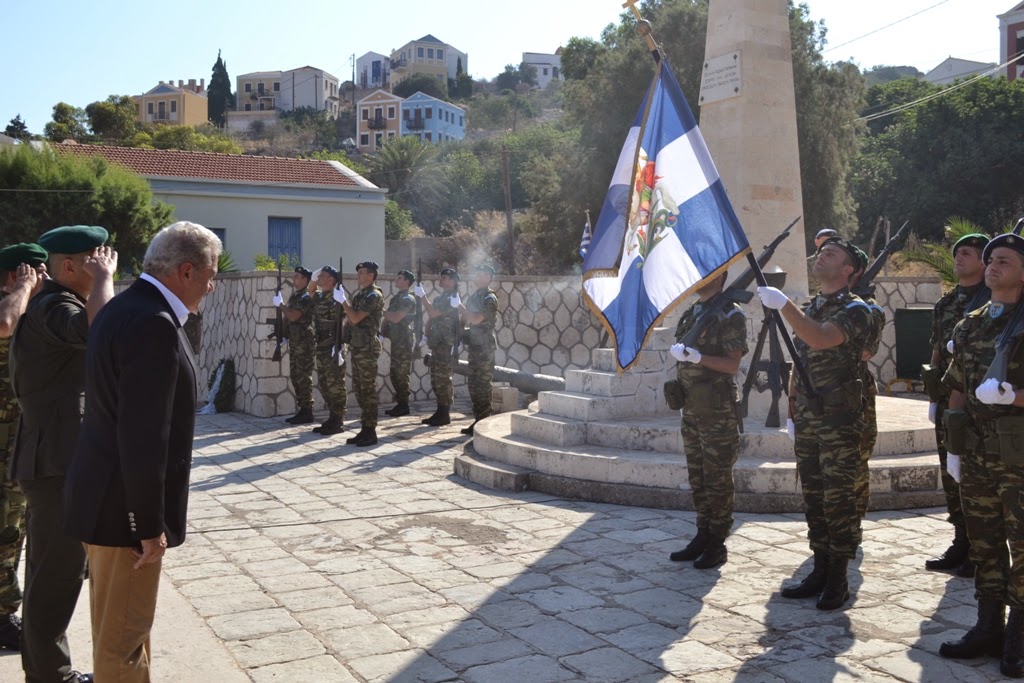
x=442, y=365
x=862, y=487
x=481, y=372
x=331, y=380
x=994, y=513
x=12, y=526
x=711, y=445
x=300, y=367
x=401, y=368
x=364, y=381
x=949, y=485
x=828, y=456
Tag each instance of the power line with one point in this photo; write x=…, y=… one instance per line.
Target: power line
x=898, y=21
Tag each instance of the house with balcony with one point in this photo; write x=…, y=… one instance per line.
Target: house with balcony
x=377, y=120
x=373, y=70
x=257, y=91
x=548, y=66
x=1011, y=41
x=175, y=105
x=432, y=120
x=428, y=55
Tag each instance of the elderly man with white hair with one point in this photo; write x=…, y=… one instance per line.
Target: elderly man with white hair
x=127, y=489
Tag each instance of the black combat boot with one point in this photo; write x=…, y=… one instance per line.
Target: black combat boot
x=354, y=439
x=955, y=555
x=811, y=586
x=303, y=417
x=10, y=632
x=400, y=410
x=837, y=585
x=332, y=426
x=441, y=418
x=1012, y=664
x=430, y=420
x=714, y=554
x=985, y=639
x=468, y=431
x=693, y=550
x=369, y=437
x=967, y=569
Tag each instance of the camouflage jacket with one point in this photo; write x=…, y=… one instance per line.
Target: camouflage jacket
x=974, y=348
x=301, y=330
x=371, y=301
x=949, y=310
x=401, y=332
x=325, y=318
x=834, y=367
x=727, y=332
x=485, y=302
x=441, y=329
x=9, y=408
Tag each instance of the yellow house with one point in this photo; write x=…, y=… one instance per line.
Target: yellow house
x=258, y=91
x=428, y=55
x=176, y=105
x=379, y=119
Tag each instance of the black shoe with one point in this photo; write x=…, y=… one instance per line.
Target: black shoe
x=985, y=639
x=955, y=555
x=430, y=420
x=814, y=583
x=334, y=425
x=10, y=632
x=837, y=586
x=693, y=550
x=369, y=438
x=441, y=418
x=400, y=410
x=714, y=554
x=1012, y=663
x=468, y=431
x=78, y=677
x=354, y=439
x=303, y=417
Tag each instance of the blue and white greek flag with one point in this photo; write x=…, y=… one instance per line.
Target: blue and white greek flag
x=585, y=240
x=666, y=225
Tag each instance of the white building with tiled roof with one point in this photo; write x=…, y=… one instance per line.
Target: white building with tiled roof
x=313, y=210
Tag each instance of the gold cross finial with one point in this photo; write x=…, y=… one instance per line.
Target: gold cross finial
x=643, y=27
x=631, y=4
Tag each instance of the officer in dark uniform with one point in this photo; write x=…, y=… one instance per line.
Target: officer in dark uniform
x=48, y=375
x=21, y=274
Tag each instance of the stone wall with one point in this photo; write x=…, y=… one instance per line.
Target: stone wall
x=543, y=327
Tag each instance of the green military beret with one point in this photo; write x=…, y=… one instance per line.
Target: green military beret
x=825, y=232
x=485, y=268
x=73, y=239
x=450, y=272
x=13, y=256
x=330, y=270
x=862, y=259
x=408, y=275
x=848, y=247
x=1009, y=240
x=369, y=265
x=975, y=239
x=305, y=272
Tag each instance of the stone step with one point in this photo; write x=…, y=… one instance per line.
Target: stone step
x=576, y=406
x=491, y=473
x=557, y=431
x=601, y=383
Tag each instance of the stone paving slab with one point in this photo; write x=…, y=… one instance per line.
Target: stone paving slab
x=310, y=560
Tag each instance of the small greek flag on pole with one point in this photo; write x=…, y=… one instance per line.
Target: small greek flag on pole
x=585, y=240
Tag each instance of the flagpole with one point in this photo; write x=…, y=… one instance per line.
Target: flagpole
x=645, y=30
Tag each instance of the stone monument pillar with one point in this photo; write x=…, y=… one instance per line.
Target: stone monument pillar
x=748, y=118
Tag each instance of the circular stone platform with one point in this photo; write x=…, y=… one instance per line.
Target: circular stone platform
x=639, y=461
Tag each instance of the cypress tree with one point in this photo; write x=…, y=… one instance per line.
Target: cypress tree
x=219, y=94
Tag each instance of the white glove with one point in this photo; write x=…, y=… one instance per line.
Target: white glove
x=423, y=341
x=772, y=298
x=380, y=338
x=992, y=392
x=949, y=346
x=419, y=291
x=933, y=409
x=278, y=300
x=685, y=354
x=455, y=301
x=953, y=466
x=791, y=429
x=315, y=275
x=339, y=295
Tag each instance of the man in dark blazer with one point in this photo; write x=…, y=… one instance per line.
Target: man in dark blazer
x=127, y=489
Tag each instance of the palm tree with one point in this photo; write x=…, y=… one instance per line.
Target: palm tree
x=940, y=256
x=409, y=169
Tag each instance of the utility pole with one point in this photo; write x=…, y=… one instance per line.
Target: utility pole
x=353, y=60
x=507, y=182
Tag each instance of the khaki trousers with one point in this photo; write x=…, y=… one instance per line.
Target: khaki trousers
x=122, y=602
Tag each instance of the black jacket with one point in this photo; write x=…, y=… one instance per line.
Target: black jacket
x=129, y=477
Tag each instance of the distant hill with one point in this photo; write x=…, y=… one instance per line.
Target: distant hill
x=883, y=74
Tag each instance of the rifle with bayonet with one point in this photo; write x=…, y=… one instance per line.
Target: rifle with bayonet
x=339, y=331
x=736, y=292
x=418, y=324
x=1006, y=342
x=280, y=332
x=864, y=287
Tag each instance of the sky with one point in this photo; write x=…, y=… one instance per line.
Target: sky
x=58, y=50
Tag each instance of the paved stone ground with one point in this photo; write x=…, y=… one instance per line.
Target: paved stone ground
x=311, y=560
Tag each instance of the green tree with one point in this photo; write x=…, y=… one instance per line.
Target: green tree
x=512, y=76
x=17, y=129
x=113, y=119
x=219, y=94
x=398, y=223
x=204, y=139
x=424, y=83
x=68, y=124
x=339, y=156
x=61, y=188
x=578, y=56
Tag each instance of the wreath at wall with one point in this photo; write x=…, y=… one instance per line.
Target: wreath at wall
x=221, y=397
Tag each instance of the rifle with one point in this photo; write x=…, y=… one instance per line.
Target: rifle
x=458, y=326
x=735, y=292
x=864, y=287
x=1006, y=342
x=339, y=331
x=418, y=324
x=279, y=334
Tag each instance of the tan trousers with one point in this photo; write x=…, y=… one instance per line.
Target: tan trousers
x=122, y=601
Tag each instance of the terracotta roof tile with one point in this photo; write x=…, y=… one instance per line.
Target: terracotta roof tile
x=214, y=166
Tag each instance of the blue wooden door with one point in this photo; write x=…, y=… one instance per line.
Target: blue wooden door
x=284, y=237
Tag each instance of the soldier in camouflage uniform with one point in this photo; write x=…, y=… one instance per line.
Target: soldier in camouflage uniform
x=985, y=442
x=870, y=387
x=828, y=418
x=330, y=356
x=969, y=294
x=19, y=280
x=819, y=239
x=363, y=315
x=301, y=344
x=710, y=422
x=443, y=328
x=480, y=312
x=397, y=327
